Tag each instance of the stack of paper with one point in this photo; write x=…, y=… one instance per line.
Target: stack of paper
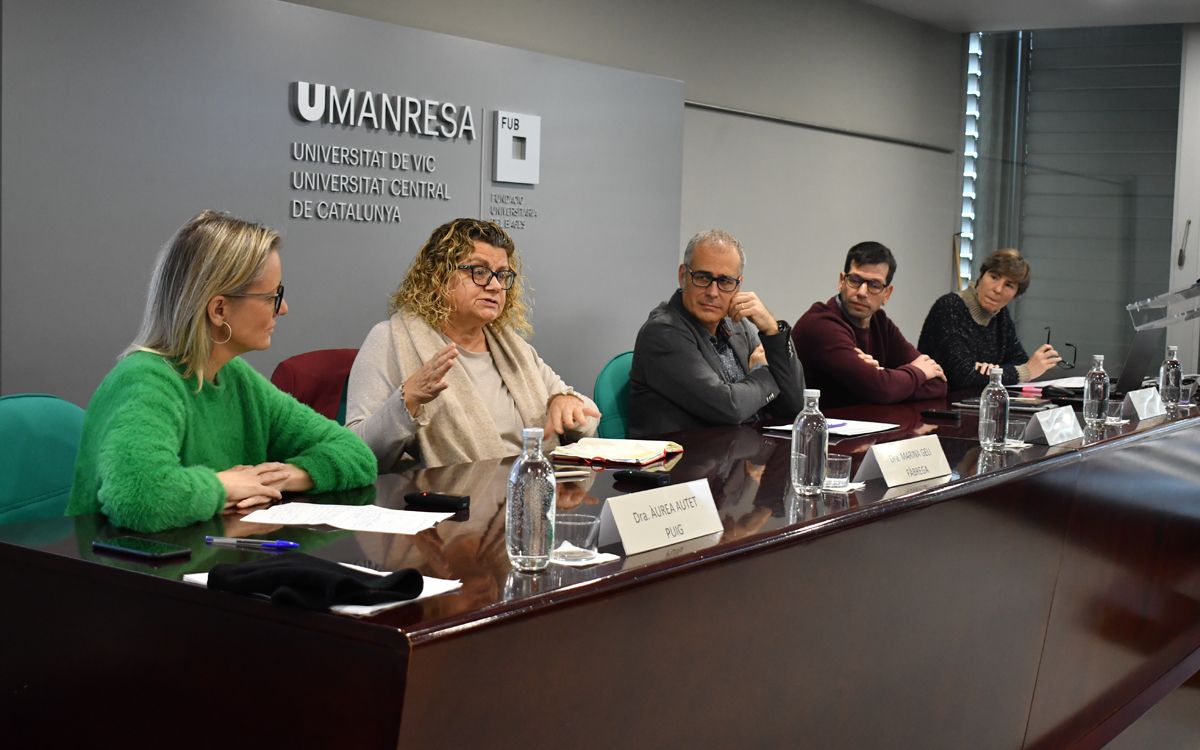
x=613, y=451
x=350, y=517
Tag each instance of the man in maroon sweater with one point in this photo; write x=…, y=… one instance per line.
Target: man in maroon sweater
x=849, y=348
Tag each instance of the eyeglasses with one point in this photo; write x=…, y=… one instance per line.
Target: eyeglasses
x=276, y=297
x=482, y=276
x=854, y=281
x=704, y=279
x=1063, y=363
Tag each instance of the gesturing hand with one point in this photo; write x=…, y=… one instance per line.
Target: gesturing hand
x=427, y=382
x=567, y=412
x=747, y=305
x=1043, y=359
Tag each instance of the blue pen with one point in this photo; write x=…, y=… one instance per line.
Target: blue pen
x=270, y=544
x=832, y=424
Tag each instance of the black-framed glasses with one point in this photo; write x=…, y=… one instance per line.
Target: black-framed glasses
x=1063, y=363
x=874, y=286
x=276, y=297
x=704, y=279
x=482, y=276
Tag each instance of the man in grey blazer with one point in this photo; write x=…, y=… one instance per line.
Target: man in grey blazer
x=712, y=354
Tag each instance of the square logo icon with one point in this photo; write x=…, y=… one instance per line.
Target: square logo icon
x=516, y=153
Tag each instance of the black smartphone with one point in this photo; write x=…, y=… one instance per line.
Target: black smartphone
x=146, y=549
x=437, y=501
x=647, y=478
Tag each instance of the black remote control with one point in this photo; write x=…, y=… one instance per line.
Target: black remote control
x=437, y=501
x=941, y=414
x=637, y=476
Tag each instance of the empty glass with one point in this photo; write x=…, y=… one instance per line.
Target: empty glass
x=1113, y=415
x=575, y=536
x=837, y=472
x=1016, y=432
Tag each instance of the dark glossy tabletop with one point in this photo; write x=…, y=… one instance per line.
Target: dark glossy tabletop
x=746, y=468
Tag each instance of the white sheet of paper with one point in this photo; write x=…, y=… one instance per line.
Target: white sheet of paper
x=843, y=427
x=350, y=517
x=431, y=587
x=1075, y=382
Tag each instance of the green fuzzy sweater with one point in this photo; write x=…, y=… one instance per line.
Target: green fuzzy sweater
x=152, y=445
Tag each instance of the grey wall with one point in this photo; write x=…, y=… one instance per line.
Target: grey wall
x=808, y=196
x=122, y=119
x=797, y=198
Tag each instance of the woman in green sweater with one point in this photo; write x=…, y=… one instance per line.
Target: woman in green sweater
x=182, y=428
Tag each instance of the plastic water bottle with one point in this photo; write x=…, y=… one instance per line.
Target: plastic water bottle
x=1170, y=378
x=1095, y=392
x=993, y=413
x=532, y=493
x=810, y=443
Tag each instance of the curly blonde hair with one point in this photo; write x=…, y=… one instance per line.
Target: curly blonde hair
x=426, y=288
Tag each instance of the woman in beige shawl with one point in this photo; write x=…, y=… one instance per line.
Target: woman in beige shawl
x=449, y=378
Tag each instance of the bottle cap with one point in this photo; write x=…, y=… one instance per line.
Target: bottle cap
x=812, y=393
x=1098, y=358
x=1172, y=351
x=531, y=432
x=994, y=370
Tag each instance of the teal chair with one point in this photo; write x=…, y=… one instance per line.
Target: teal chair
x=40, y=435
x=612, y=396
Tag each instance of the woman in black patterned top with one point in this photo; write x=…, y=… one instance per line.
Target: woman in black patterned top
x=970, y=331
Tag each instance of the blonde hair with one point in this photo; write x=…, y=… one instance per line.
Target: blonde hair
x=426, y=288
x=212, y=254
x=1008, y=262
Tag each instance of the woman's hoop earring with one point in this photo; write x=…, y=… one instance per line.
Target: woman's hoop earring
x=226, y=341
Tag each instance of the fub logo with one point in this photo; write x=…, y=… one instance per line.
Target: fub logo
x=517, y=148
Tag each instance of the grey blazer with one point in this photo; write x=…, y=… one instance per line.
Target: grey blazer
x=675, y=381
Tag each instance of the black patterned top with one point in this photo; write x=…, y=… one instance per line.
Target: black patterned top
x=958, y=333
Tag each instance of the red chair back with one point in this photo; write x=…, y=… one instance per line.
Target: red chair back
x=317, y=379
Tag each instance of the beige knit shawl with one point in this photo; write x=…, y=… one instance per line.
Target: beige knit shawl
x=456, y=426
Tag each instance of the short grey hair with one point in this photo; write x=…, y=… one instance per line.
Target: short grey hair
x=716, y=237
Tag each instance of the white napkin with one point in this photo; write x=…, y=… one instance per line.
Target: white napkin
x=847, y=489
x=599, y=557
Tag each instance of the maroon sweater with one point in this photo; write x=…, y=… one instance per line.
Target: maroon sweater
x=825, y=341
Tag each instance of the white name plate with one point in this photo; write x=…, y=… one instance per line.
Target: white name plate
x=1053, y=426
x=664, y=515
x=1143, y=403
x=904, y=461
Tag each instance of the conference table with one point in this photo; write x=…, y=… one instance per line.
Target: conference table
x=1041, y=598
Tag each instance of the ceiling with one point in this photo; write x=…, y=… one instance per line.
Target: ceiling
x=1012, y=15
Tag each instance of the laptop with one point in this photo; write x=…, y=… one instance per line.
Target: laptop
x=1144, y=359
